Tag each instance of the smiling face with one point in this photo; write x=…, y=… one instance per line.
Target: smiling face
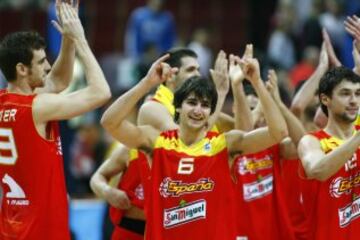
x=38, y=69
x=344, y=102
x=194, y=112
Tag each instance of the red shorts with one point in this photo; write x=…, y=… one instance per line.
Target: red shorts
x=120, y=233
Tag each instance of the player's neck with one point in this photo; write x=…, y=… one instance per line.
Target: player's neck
x=190, y=136
x=339, y=129
x=20, y=87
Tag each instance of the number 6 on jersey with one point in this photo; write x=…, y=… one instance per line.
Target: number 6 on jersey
x=186, y=166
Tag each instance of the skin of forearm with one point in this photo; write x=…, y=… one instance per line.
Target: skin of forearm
x=99, y=184
x=272, y=114
x=242, y=112
x=334, y=160
x=95, y=78
x=219, y=105
x=307, y=92
x=62, y=70
x=121, y=108
x=295, y=128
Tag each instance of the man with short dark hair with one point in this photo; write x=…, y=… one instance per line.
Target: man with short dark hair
x=34, y=205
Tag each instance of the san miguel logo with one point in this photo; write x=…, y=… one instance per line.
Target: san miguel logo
x=176, y=188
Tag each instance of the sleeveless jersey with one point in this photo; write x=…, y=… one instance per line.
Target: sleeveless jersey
x=192, y=193
x=131, y=183
x=34, y=198
x=262, y=212
x=332, y=207
x=293, y=196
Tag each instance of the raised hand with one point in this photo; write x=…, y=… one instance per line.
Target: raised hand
x=272, y=85
x=235, y=72
x=251, y=69
x=324, y=57
x=352, y=26
x=68, y=23
x=220, y=74
x=330, y=49
x=159, y=72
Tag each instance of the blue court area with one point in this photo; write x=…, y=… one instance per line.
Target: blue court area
x=86, y=218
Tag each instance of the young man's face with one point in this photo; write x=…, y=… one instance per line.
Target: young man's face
x=194, y=112
x=39, y=68
x=189, y=68
x=345, y=101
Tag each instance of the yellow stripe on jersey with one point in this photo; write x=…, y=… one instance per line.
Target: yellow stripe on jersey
x=134, y=154
x=165, y=96
x=329, y=144
x=205, y=147
x=357, y=120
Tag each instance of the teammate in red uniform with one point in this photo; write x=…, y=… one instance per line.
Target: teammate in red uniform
x=127, y=198
x=191, y=188
x=331, y=160
x=34, y=201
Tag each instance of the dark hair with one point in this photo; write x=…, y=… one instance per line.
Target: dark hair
x=201, y=87
x=18, y=48
x=176, y=54
x=331, y=79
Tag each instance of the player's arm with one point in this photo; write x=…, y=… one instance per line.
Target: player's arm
x=274, y=119
x=47, y=106
x=288, y=147
x=116, y=164
x=321, y=166
x=220, y=78
x=114, y=118
x=306, y=93
x=242, y=112
x=61, y=72
x=352, y=26
x=155, y=114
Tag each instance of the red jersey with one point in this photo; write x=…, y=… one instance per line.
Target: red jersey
x=292, y=192
x=262, y=212
x=332, y=207
x=34, y=200
x=192, y=195
x=131, y=183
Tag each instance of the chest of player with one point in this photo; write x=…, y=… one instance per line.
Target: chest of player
x=255, y=174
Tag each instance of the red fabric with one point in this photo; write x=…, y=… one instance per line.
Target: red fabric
x=178, y=211
x=292, y=192
x=35, y=203
x=262, y=211
x=124, y=234
x=132, y=183
x=332, y=206
x=300, y=72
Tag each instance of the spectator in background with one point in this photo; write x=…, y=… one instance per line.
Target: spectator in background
x=281, y=50
x=149, y=25
x=306, y=66
x=86, y=153
x=332, y=20
x=200, y=45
